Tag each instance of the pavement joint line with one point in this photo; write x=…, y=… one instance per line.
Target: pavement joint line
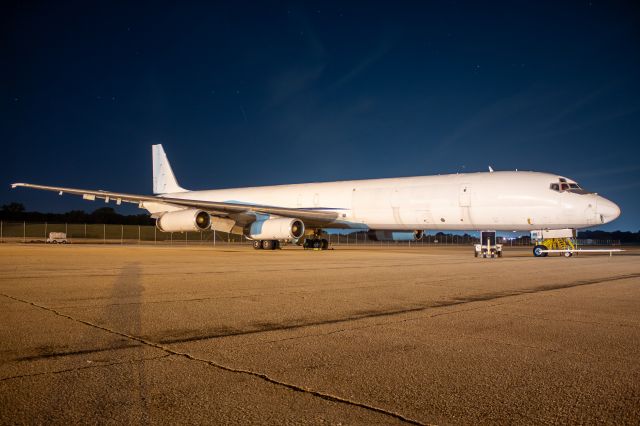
x=237, y=271
x=417, y=318
x=96, y=365
x=508, y=314
x=417, y=309
x=72, y=353
x=262, y=376
x=280, y=293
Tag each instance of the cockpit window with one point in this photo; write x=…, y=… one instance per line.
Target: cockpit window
x=562, y=185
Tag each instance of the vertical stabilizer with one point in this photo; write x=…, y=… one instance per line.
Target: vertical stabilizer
x=164, y=182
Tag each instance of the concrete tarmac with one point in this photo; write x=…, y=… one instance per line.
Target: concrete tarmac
x=423, y=335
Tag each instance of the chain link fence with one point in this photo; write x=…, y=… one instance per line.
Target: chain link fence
x=26, y=232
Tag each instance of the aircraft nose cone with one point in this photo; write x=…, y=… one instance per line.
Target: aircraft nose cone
x=608, y=209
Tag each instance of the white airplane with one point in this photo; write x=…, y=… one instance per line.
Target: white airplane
x=268, y=215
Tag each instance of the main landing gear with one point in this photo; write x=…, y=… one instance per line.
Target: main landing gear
x=316, y=244
x=266, y=244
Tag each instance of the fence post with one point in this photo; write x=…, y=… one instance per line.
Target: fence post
x=155, y=239
x=138, y=234
x=66, y=228
x=121, y=233
x=85, y=230
x=24, y=232
x=214, y=237
x=1, y=237
x=45, y=232
x=104, y=233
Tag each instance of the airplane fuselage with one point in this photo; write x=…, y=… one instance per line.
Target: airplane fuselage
x=507, y=201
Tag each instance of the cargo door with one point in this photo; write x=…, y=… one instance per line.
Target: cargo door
x=464, y=199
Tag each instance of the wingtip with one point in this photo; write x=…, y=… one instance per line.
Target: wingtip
x=15, y=185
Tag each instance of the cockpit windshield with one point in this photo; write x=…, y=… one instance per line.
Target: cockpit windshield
x=563, y=185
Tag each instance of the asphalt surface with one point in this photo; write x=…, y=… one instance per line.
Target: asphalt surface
x=111, y=334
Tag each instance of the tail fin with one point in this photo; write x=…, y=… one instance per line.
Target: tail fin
x=164, y=181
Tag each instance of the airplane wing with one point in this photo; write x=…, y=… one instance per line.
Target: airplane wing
x=215, y=208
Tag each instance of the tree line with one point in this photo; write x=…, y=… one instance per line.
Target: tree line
x=107, y=215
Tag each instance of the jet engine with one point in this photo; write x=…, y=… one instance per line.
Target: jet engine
x=184, y=221
x=276, y=229
x=381, y=235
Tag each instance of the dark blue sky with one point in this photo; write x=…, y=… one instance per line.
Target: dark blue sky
x=257, y=93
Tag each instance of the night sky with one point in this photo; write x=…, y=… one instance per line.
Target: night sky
x=260, y=93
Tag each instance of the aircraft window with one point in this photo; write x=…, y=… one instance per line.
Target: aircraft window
x=574, y=186
x=564, y=186
x=555, y=187
x=563, y=180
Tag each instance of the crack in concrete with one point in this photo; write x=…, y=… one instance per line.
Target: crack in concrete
x=97, y=365
x=329, y=397
x=262, y=376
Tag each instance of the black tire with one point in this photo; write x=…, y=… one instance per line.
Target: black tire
x=276, y=244
x=317, y=244
x=257, y=244
x=568, y=254
x=475, y=253
x=267, y=245
x=537, y=252
x=325, y=244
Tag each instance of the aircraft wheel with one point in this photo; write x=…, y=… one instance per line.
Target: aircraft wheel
x=325, y=244
x=267, y=245
x=276, y=245
x=257, y=244
x=568, y=254
x=317, y=244
x=537, y=251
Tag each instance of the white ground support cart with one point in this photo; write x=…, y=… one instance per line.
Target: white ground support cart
x=57, y=238
x=488, y=246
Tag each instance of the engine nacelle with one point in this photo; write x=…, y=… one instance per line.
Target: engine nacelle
x=188, y=220
x=381, y=235
x=283, y=229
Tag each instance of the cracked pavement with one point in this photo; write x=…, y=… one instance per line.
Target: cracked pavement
x=424, y=335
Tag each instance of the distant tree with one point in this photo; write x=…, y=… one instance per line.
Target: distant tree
x=13, y=208
x=104, y=215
